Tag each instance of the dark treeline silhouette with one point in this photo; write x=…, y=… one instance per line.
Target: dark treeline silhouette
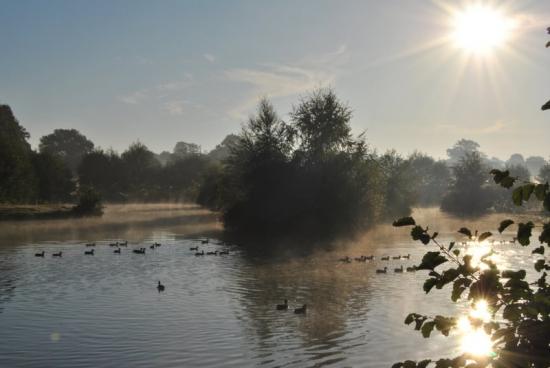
x=309, y=174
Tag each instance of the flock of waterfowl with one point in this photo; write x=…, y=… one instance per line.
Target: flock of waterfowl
x=400, y=269
x=141, y=250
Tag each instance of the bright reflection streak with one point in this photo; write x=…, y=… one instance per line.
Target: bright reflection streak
x=476, y=341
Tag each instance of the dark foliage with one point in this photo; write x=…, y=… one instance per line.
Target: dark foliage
x=67, y=144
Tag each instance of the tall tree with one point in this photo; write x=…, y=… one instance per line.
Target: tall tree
x=460, y=149
x=17, y=181
x=68, y=144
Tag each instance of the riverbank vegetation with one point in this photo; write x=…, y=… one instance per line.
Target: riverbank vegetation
x=273, y=177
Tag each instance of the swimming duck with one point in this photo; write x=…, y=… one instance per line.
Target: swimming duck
x=370, y=258
x=411, y=269
x=396, y=257
x=408, y=256
x=301, y=310
x=152, y=246
x=215, y=253
x=283, y=306
x=399, y=270
x=386, y=258
x=113, y=244
x=222, y=252
x=124, y=243
x=139, y=251
x=205, y=241
x=117, y=251
x=200, y=253
x=346, y=259
x=90, y=244
x=89, y=252
x=160, y=287
x=194, y=248
x=361, y=259
x=385, y=270
x=41, y=254
x=58, y=254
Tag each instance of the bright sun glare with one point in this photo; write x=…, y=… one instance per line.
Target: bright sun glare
x=475, y=340
x=479, y=29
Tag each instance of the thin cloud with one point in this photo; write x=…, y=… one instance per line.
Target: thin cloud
x=209, y=57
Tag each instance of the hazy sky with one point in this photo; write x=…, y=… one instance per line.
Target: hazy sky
x=165, y=71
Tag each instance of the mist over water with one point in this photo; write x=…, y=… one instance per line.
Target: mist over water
x=105, y=311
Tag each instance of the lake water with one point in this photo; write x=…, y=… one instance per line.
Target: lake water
x=105, y=311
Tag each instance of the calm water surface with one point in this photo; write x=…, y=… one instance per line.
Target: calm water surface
x=105, y=311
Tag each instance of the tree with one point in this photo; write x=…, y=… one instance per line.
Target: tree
x=68, y=144
x=223, y=150
x=140, y=170
x=17, y=181
x=104, y=171
x=462, y=148
x=399, y=194
x=516, y=159
x=54, y=178
x=322, y=124
x=544, y=173
x=534, y=164
x=468, y=195
x=429, y=179
x=184, y=149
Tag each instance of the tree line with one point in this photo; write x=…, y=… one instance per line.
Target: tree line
x=271, y=176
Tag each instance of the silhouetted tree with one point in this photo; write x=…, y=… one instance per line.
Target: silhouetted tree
x=223, y=150
x=17, y=181
x=429, y=179
x=468, y=195
x=68, y=144
x=399, y=193
x=544, y=173
x=461, y=149
x=54, y=178
x=104, y=171
x=534, y=164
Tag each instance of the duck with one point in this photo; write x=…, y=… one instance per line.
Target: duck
x=194, y=248
x=301, y=310
x=139, y=251
x=205, y=241
x=113, y=244
x=117, y=251
x=361, y=259
x=152, y=246
x=41, y=254
x=386, y=258
x=215, y=253
x=200, y=253
x=385, y=270
x=370, y=258
x=346, y=259
x=408, y=256
x=399, y=270
x=396, y=257
x=58, y=254
x=124, y=243
x=411, y=269
x=157, y=244
x=89, y=252
x=160, y=287
x=90, y=244
x=222, y=252
x=283, y=306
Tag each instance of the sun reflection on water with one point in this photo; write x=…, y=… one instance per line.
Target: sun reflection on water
x=474, y=339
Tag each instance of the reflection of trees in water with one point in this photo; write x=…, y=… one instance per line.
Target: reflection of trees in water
x=7, y=281
x=336, y=294
x=134, y=222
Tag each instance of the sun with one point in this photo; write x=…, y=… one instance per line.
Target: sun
x=479, y=29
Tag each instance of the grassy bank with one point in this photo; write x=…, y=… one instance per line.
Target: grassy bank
x=35, y=211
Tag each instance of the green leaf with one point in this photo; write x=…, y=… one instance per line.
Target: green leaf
x=431, y=260
x=404, y=221
x=423, y=363
x=484, y=236
x=410, y=318
x=546, y=202
x=518, y=275
x=418, y=233
x=540, y=191
x=539, y=265
x=524, y=232
x=504, y=224
x=527, y=190
x=503, y=178
x=517, y=196
x=451, y=245
x=545, y=234
x=429, y=284
x=466, y=232
x=456, y=252
x=539, y=250
x=427, y=328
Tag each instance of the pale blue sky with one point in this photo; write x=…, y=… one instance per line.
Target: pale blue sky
x=165, y=71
